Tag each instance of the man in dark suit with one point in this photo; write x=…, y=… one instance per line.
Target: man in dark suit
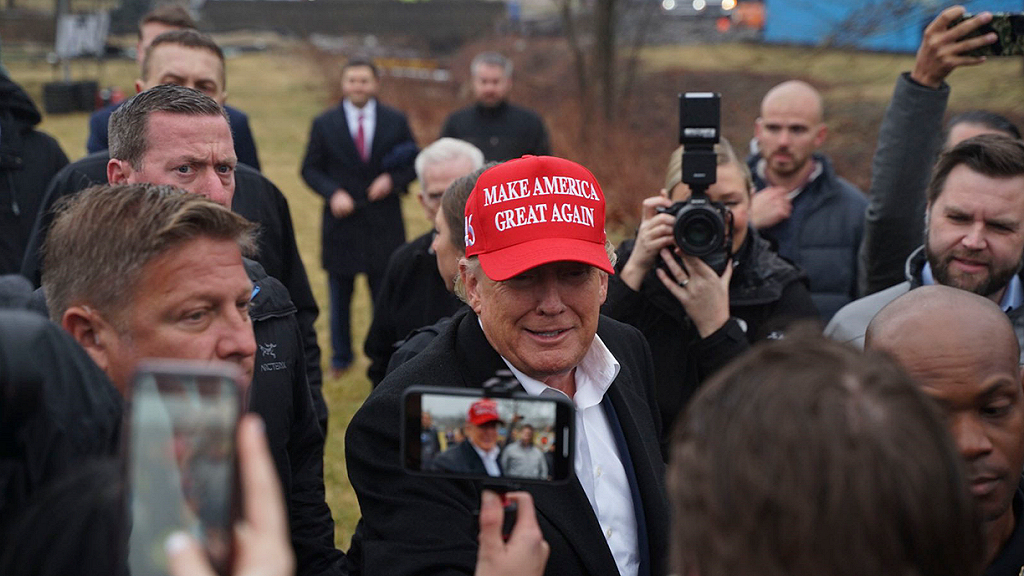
x=168, y=18
x=535, y=275
x=479, y=453
x=359, y=158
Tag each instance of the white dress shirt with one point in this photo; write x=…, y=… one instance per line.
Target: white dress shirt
x=598, y=465
x=369, y=112
x=489, y=458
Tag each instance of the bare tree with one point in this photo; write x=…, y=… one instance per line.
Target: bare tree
x=595, y=31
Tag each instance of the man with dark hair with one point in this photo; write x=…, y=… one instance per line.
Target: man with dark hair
x=969, y=363
x=974, y=234
x=813, y=216
x=522, y=459
x=501, y=130
x=804, y=457
x=535, y=274
x=192, y=68
x=909, y=140
x=156, y=140
x=134, y=271
x=412, y=295
x=359, y=158
x=28, y=160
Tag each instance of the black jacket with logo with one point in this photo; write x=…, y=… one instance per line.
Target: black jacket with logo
x=280, y=394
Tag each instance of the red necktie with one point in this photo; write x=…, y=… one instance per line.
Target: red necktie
x=361, y=140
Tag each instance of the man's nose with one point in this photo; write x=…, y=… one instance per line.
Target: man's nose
x=971, y=439
x=211, y=185
x=974, y=239
x=549, y=297
x=237, y=340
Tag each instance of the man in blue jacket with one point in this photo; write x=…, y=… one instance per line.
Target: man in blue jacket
x=814, y=218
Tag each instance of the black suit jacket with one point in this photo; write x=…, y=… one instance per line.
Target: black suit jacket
x=364, y=240
x=418, y=525
x=460, y=459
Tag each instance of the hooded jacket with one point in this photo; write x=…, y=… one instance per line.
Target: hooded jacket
x=28, y=160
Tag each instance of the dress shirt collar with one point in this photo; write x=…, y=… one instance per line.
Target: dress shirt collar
x=1013, y=297
x=369, y=110
x=594, y=375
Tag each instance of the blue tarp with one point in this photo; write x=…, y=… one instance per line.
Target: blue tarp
x=883, y=25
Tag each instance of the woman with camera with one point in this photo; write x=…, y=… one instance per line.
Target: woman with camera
x=695, y=320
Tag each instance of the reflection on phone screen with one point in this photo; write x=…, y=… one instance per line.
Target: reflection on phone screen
x=182, y=461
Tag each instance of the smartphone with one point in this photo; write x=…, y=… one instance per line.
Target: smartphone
x=460, y=433
x=182, y=472
x=1009, y=27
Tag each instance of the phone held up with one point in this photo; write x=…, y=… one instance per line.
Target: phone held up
x=510, y=438
x=1009, y=30
x=182, y=471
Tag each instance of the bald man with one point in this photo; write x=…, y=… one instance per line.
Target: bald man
x=969, y=363
x=813, y=216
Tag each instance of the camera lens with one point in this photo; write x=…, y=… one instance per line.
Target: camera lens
x=699, y=233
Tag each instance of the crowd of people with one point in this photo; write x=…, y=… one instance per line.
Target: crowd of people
x=840, y=399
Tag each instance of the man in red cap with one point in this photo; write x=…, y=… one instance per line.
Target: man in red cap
x=535, y=275
x=479, y=453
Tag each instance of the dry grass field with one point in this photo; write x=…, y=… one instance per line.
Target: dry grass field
x=283, y=89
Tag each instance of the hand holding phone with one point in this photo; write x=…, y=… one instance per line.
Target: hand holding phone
x=181, y=460
x=263, y=547
x=524, y=552
x=945, y=45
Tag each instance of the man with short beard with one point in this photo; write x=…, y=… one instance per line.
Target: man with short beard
x=974, y=234
x=812, y=216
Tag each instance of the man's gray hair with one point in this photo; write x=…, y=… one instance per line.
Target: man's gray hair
x=102, y=237
x=447, y=150
x=128, y=131
x=491, y=59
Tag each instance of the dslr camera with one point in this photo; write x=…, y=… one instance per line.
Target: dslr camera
x=702, y=228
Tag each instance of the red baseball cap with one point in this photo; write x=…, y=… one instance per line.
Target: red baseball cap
x=532, y=211
x=483, y=411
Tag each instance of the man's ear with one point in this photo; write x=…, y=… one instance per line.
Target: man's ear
x=91, y=332
x=757, y=127
x=471, y=283
x=819, y=138
x=118, y=171
x=223, y=98
x=139, y=85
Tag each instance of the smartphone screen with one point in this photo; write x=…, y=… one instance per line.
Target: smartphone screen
x=458, y=433
x=181, y=458
x=1009, y=29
